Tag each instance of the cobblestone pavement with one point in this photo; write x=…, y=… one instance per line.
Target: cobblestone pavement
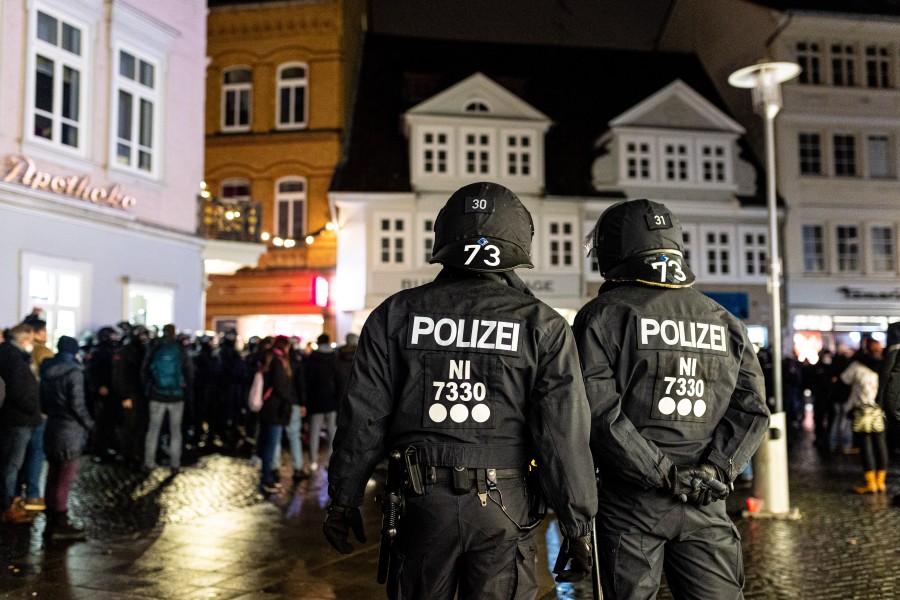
x=205, y=532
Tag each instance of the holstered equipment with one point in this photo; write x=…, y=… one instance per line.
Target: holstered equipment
x=391, y=507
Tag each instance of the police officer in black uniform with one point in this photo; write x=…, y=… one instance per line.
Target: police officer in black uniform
x=677, y=411
x=468, y=378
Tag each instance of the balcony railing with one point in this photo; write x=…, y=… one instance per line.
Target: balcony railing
x=220, y=219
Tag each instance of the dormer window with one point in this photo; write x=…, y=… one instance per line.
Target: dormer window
x=684, y=160
x=477, y=106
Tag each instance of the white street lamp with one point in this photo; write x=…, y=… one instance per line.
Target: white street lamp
x=770, y=472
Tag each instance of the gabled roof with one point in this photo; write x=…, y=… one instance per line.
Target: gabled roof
x=696, y=111
x=502, y=103
x=580, y=89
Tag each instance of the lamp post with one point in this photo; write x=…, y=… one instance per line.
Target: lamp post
x=770, y=472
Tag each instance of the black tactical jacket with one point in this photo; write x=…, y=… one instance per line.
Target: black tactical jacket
x=473, y=373
x=671, y=378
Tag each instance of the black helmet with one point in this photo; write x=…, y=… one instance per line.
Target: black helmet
x=108, y=335
x=640, y=240
x=483, y=227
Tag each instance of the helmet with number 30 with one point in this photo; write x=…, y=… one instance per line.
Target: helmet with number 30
x=483, y=227
x=640, y=240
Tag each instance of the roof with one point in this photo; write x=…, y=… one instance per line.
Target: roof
x=579, y=89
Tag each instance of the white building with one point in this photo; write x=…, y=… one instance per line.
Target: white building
x=838, y=150
x=101, y=142
x=568, y=159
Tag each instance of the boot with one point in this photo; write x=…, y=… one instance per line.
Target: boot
x=16, y=514
x=871, y=487
x=879, y=480
x=59, y=527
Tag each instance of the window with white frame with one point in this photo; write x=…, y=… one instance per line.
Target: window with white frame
x=57, y=80
x=518, y=153
x=435, y=151
x=844, y=153
x=676, y=160
x=689, y=236
x=714, y=162
x=150, y=305
x=61, y=288
x=843, y=65
x=884, y=249
x=813, y=248
x=477, y=148
x=717, y=253
x=392, y=236
x=847, y=237
x=809, y=57
x=879, y=158
x=137, y=102
x=290, y=208
x=878, y=66
x=293, y=83
x=754, y=251
x=237, y=90
x=426, y=230
x=810, y=146
x=477, y=106
x=561, y=243
x=639, y=159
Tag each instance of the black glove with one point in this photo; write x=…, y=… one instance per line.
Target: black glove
x=700, y=485
x=339, y=520
x=578, y=552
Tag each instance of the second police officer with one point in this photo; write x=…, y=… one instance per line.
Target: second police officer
x=677, y=409
x=468, y=378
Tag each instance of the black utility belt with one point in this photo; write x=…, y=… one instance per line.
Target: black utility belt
x=456, y=474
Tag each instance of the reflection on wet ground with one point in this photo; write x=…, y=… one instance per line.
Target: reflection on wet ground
x=206, y=532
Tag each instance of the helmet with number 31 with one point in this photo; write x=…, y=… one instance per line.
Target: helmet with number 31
x=640, y=240
x=483, y=227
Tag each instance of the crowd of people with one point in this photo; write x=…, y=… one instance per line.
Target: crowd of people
x=144, y=397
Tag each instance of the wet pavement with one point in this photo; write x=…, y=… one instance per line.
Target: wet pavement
x=206, y=532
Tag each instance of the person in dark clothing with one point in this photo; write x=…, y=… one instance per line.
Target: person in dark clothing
x=106, y=409
x=319, y=368
x=298, y=412
x=841, y=439
x=128, y=390
x=468, y=378
x=823, y=409
x=278, y=399
x=207, y=393
x=234, y=390
x=68, y=424
x=677, y=411
x=19, y=415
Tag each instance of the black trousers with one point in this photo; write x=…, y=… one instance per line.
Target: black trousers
x=641, y=533
x=873, y=447
x=450, y=544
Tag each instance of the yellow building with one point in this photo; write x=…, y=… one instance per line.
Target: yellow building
x=278, y=84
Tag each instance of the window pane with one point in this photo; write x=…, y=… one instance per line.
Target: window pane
x=298, y=227
x=47, y=28
x=43, y=92
x=291, y=186
x=145, y=161
x=71, y=87
x=146, y=133
x=147, y=74
x=238, y=76
x=299, y=103
x=71, y=39
x=283, y=219
x=230, y=109
x=70, y=135
x=285, y=105
x=125, y=116
x=879, y=157
x=69, y=293
x=40, y=286
x=293, y=73
x=126, y=65
x=43, y=127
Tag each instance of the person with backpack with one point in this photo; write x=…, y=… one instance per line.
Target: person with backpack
x=167, y=376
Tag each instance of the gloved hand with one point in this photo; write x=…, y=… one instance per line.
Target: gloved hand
x=578, y=552
x=700, y=485
x=339, y=520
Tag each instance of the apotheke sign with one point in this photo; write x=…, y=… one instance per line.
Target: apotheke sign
x=20, y=169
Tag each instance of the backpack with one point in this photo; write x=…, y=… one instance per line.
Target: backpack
x=257, y=396
x=166, y=370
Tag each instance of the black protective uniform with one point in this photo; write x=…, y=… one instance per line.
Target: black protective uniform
x=672, y=379
x=473, y=372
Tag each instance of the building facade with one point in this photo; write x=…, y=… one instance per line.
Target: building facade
x=837, y=149
x=277, y=87
x=567, y=148
x=101, y=138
